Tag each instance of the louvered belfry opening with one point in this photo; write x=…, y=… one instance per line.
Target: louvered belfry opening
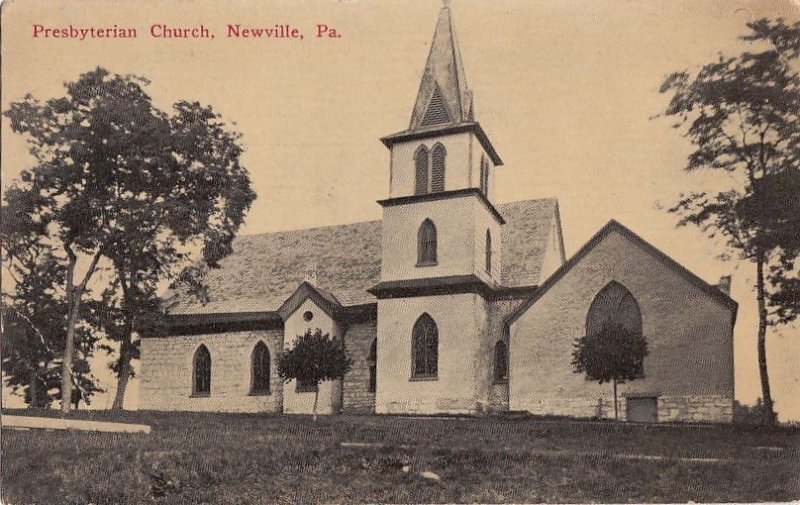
x=436, y=112
x=421, y=163
x=438, y=156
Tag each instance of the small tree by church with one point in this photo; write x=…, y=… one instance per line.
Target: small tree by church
x=313, y=358
x=613, y=354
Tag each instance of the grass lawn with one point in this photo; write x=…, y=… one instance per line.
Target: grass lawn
x=240, y=459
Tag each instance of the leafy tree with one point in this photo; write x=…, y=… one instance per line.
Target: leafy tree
x=120, y=181
x=741, y=114
x=314, y=357
x=613, y=354
x=33, y=313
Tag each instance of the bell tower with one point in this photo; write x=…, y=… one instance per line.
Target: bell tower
x=440, y=244
x=442, y=170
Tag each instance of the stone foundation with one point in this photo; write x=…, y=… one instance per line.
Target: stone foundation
x=712, y=409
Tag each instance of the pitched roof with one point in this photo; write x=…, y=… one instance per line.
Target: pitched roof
x=265, y=270
x=712, y=291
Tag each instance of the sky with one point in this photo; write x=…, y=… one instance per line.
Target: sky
x=567, y=91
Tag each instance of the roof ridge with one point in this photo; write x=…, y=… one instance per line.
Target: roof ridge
x=545, y=199
x=313, y=228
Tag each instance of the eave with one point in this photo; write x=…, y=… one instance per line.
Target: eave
x=444, y=195
x=447, y=129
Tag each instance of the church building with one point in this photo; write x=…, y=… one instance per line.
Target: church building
x=451, y=303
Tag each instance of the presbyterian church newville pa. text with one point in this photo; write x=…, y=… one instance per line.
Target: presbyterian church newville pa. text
x=450, y=303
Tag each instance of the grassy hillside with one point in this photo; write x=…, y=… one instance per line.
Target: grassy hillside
x=239, y=459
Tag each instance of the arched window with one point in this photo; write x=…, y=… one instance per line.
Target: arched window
x=500, y=361
x=372, y=361
x=438, y=155
x=488, y=251
x=260, y=361
x=201, y=383
x=614, y=305
x=484, y=183
x=421, y=163
x=426, y=243
x=426, y=347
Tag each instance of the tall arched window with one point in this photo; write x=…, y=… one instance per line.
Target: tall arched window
x=484, y=183
x=500, y=361
x=438, y=155
x=426, y=347
x=426, y=243
x=614, y=305
x=201, y=383
x=421, y=163
x=260, y=362
x=488, y=251
x=372, y=361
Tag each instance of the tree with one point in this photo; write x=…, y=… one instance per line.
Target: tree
x=118, y=180
x=612, y=354
x=33, y=312
x=741, y=114
x=315, y=357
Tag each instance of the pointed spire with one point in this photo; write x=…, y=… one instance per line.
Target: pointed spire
x=443, y=96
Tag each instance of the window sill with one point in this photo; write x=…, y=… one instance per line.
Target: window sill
x=427, y=264
x=200, y=395
x=419, y=378
x=259, y=393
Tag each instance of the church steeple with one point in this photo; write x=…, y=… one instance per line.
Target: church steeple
x=444, y=110
x=443, y=97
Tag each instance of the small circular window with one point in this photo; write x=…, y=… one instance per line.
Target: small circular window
x=308, y=316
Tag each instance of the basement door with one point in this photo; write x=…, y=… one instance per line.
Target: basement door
x=642, y=409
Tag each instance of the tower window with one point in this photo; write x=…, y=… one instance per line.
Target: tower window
x=488, y=251
x=426, y=347
x=372, y=361
x=201, y=380
x=438, y=155
x=426, y=244
x=484, y=183
x=260, y=362
x=421, y=163
x=500, y=362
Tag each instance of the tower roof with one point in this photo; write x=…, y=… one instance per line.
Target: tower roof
x=443, y=97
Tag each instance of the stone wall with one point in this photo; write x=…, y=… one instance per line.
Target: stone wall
x=694, y=408
x=690, y=337
x=357, y=397
x=167, y=369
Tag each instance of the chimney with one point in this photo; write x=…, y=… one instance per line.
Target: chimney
x=725, y=284
x=311, y=275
